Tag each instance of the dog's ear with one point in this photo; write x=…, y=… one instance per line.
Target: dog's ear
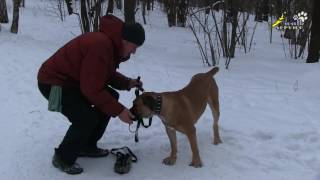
x=150, y=102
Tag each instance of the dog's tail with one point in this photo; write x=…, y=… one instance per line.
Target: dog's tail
x=213, y=71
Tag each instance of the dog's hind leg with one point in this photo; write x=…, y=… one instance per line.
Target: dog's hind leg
x=213, y=102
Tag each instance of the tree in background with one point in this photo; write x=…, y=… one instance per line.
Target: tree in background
x=15, y=19
x=314, y=48
x=176, y=12
x=234, y=11
x=143, y=7
x=69, y=6
x=171, y=9
x=110, y=7
x=224, y=26
x=23, y=4
x=182, y=12
x=119, y=4
x=90, y=11
x=261, y=10
x=3, y=12
x=129, y=11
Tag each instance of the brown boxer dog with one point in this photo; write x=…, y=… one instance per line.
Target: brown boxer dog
x=180, y=110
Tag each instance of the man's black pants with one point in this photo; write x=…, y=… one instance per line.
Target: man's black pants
x=88, y=124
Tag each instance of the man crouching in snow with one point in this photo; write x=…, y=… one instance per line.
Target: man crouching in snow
x=77, y=82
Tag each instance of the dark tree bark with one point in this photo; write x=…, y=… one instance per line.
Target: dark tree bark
x=3, y=12
x=262, y=10
x=152, y=4
x=171, y=12
x=23, y=3
x=90, y=13
x=314, y=48
x=182, y=13
x=225, y=31
x=258, y=13
x=265, y=10
x=234, y=21
x=69, y=6
x=129, y=11
x=84, y=16
x=148, y=4
x=110, y=7
x=96, y=11
x=119, y=4
x=15, y=19
x=143, y=6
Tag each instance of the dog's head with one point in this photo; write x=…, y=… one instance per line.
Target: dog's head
x=144, y=105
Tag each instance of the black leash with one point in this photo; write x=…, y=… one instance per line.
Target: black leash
x=122, y=150
x=139, y=119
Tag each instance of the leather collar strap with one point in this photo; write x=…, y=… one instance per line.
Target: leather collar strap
x=158, y=104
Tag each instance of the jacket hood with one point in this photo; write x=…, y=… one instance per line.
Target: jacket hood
x=112, y=27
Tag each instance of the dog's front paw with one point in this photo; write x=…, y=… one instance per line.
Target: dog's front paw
x=196, y=163
x=169, y=161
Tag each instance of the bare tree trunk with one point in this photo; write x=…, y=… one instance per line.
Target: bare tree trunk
x=262, y=10
x=3, y=12
x=225, y=32
x=90, y=13
x=69, y=6
x=23, y=3
x=314, y=48
x=234, y=17
x=148, y=4
x=265, y=10
x=182, y=13
x=110, y=7
x=119, y=4
x=171, y=12
x=304, y=36
x=152, y=4
x=129, y=11
x=96, y=9
x=15, y=19
x=84, y=17
x=143, y=6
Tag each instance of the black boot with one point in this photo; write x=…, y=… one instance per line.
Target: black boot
x=69, y=169
x=123, y=163
x=125, y=157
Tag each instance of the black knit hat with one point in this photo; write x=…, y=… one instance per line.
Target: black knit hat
x=133, y=33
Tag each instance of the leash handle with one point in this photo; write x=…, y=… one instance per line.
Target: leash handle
x=136, y=135
x=146, y=126
x=139, y=120
x=139, y=88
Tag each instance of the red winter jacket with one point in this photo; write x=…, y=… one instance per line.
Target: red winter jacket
x=89, y=62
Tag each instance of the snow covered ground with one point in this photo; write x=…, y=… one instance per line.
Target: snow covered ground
x=269, y=108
